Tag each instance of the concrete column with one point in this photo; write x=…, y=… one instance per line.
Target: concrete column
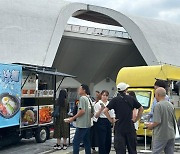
x=91, y=87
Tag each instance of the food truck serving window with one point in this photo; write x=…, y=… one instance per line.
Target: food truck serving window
x=143, y=97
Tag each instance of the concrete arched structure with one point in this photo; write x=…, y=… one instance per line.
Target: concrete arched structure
x=36, y=28
x=132, y=28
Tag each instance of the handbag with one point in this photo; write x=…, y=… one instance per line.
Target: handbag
x=56, y=112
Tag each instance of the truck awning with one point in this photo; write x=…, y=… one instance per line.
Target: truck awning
x=52, y=73
x=145, y=76
x=45, y=70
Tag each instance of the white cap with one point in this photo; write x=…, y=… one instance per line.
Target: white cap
x=122, y=86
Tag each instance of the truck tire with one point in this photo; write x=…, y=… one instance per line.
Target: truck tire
x=41, y=134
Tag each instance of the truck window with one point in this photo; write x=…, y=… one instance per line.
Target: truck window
x=143, y=97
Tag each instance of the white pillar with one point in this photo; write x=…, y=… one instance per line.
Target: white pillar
x=91, y=87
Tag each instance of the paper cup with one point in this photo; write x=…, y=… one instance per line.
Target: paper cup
x=66, y=120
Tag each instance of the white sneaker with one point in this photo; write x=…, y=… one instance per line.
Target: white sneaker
x=57, y=147
x=64, y=147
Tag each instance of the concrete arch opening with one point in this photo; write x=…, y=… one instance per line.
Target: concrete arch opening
x=94, y=57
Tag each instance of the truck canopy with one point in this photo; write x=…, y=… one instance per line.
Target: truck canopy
x=45, y=70
x=145, y=76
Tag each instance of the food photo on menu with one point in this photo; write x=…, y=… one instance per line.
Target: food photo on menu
x=10, y=92
x=29, y=116
x=45, y=114
x=9, y=105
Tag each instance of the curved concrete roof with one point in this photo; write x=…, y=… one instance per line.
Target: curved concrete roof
x=35, y=28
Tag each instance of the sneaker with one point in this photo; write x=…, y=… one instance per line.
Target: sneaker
x=57, y=147
x=65, y=147
x=93, y=150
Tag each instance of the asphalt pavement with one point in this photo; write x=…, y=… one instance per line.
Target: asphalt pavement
x=30, y=146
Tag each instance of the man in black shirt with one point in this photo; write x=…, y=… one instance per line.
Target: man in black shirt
x=124, y=130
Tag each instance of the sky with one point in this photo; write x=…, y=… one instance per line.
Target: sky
x=168, y=10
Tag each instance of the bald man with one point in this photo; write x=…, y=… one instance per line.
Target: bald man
x=163, y=124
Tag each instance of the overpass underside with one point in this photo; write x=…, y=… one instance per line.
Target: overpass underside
x=93, y=58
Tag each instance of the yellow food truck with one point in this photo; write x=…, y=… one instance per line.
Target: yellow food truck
x=141, y=80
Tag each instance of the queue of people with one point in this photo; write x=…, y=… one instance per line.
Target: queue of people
x=117, y=113
x=95, y=120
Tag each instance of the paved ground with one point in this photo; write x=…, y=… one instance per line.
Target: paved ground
x=31, y=147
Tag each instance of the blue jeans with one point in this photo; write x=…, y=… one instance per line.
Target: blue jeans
x=82, y=134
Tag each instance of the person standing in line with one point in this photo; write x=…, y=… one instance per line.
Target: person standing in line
x=157, y=84
x=98, y=95
x=83, y=121
x=61, y=129
x=124, y=131
x=94, y=132
x=163, y=125
x=103, y=124
x=135, y=111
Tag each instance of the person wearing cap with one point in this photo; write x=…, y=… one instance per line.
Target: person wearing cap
x=124, y=130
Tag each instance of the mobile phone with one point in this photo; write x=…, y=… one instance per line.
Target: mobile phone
x=102, y=104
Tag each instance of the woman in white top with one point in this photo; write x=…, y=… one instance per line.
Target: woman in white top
x=103, y=124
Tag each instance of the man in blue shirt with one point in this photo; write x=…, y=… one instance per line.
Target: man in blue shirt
x=158, y=83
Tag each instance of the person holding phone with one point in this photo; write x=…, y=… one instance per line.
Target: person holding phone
x=103, y=124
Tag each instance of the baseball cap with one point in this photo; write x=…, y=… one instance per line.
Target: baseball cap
x=122, y=86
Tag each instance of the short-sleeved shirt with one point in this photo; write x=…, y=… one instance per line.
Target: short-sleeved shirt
x=123, y=106
x=164, y=114
x=153, y=105
x=97, y=107
x=85, y=120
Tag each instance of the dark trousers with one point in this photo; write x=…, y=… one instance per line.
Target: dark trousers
x=123, y=140
x=82, y=134
x=94, y=135
x=104, y=135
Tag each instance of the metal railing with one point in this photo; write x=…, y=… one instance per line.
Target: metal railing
x=97, y=31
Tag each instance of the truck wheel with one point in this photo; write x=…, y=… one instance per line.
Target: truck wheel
x=41, y=135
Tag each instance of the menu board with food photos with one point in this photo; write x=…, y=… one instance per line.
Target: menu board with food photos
x=10, y=94
x=45, y=114
x=29, y=116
